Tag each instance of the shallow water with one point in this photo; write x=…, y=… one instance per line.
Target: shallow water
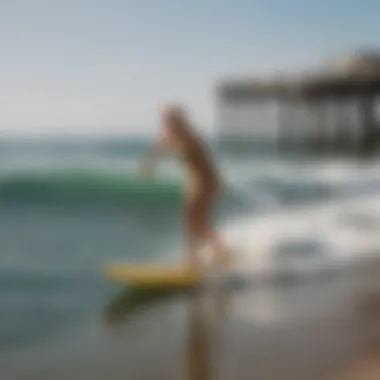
x=57, y=233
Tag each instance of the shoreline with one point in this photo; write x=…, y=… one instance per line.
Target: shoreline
x=307, y=329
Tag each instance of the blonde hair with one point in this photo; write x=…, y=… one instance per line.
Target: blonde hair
x=180, y=123
x=176, y=113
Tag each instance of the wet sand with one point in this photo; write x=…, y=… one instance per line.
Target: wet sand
x=316, y=328
x=366, y=368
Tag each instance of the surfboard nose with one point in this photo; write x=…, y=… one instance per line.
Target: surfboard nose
x=152, y=276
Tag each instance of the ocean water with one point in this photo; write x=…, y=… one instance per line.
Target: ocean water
x=70, y=206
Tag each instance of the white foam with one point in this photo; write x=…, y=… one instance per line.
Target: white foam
x=256, y=238
x=327, y=225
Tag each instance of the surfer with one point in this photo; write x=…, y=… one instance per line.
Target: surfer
x=203, y=184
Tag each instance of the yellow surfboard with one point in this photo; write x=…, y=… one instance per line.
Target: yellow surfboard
x=153, y=276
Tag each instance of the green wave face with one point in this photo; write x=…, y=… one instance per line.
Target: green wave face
x=89, y=186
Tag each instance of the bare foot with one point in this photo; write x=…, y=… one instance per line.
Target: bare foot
x=223, y=261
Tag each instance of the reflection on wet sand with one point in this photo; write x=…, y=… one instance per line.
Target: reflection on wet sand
x=203, y=310
x=131, y=301
x=200, y=329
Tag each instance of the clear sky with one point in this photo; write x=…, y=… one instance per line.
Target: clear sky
x=87, y=65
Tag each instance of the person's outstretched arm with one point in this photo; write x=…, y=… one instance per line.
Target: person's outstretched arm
x=150, y=160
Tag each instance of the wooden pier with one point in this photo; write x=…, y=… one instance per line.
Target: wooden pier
x=333, y=108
